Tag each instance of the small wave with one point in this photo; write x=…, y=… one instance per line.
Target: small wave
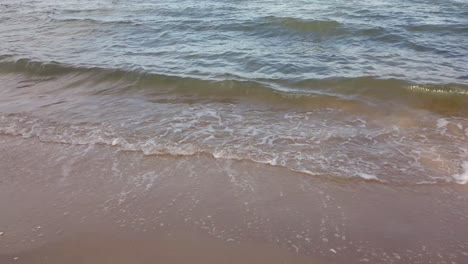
x=9, y=65
x=269, y=153
x=24, y=126
x=96, y=21
x=386, y=88
x=439, y=89
x=267, y=91
x=430, y=28
x=368, y=176
x=317, y=26
x=311, y=92
x=89, y=10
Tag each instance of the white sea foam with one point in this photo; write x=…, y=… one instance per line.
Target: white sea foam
x=426, y=89
x=367, y=176
x=442, y=123
x=462, y=178
x=303, y=142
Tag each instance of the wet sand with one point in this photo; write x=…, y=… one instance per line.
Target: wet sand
x=62, y=203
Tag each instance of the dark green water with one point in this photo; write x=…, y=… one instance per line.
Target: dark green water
x=375, y=90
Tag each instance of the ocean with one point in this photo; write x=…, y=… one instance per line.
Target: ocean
x=375, y=90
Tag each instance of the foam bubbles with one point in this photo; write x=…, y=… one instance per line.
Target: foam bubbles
x=321, y=143
x=442, y=122
x=367, y=176
x=462, y=178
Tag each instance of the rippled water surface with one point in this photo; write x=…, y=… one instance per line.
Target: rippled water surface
x=423, y=41
x=374, y=90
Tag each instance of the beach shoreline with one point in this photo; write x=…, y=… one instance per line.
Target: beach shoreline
x=95, y=203
x=136, y=132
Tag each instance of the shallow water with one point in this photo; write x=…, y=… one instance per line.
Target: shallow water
x=375, y=91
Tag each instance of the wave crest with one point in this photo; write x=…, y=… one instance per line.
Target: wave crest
x=448, y=98
x=308, y=25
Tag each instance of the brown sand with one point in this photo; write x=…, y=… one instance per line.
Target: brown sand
x=73, y=204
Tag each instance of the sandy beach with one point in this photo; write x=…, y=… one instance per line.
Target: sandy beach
x=96, y=204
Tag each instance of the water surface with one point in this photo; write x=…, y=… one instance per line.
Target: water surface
x=343, y=90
